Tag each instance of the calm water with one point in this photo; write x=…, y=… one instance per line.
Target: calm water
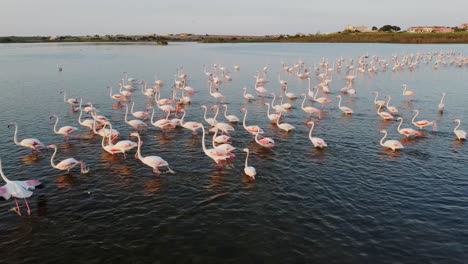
x=351, y=203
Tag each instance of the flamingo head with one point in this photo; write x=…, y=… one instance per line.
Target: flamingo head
x=11, y=125
x=224, y=105
x=404, y=85
x=214, y=107
x=243, y=110
x=246, y=150
x=53, y=116
x=338, y=96
x=456, y=120
x=383, y=131
x=203, y=106
x=61, y=92
x=267, y=104
x=311, y=123
x=399, y=118
x=416, y=111
x=51, y=146
x=134, y=134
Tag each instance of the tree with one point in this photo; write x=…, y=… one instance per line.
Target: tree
x=374, y=28
x=389, y=28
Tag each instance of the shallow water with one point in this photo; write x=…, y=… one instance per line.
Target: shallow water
x=353, y=202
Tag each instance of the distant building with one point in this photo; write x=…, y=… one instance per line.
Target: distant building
x=350, y=28
x=53, y=38
x=464, y=26
x=433, y=29
x=364, y=29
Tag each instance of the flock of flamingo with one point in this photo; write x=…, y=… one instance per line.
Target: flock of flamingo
x=221, y=150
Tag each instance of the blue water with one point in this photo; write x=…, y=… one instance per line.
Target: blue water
x=354, y=202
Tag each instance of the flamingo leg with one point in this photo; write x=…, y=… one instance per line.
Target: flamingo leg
x=27, y=205
x=125, y=156
x=17, y=207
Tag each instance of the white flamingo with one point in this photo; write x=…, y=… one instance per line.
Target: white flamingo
x=284, y=126
x=230, y=118
x=408, y=132
x=65, y=130
x=67, y=164
x=316, y=141
x=344, y=109
x=461, y=134
x=17, y=189
x=251, y=129
x=135, y=123
x=32, y=143
x=391, y=144
x=441, y=104
x=154, y=162
x=249, y=170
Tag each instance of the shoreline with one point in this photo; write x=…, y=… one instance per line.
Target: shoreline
x=375, y=37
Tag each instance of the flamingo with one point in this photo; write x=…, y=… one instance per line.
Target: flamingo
x=251, y=129
x=260, y=89
x=344, y=109
x=272, y=117
x=135, y=123
x=147, y=92
x=278, y=108
x=308, y=109
x=211, y=121
x=321, y=100
x=422, y=123
x=407, y=92
x=282, y=82
x=230, y=118
x=316, y=141
x=392, y=109
x=89, y=123
x=161, y=123
x=310, y=93
x=226, y=148
x=284, y=126
x=127, y=94
x=105, y=132
x=249, y=170
x=154, y=162
x=121, y=147
x=71, y=101
x=99, y=118
x=110, y=147
x=378, y=102
x=65, y=130
x=32, y=143
x=265, y=142
x=461, y=134
x=139, y=114
x=384, y=115
x=67, y=164
x=286, y=106
x=189, y=125
x=289, y=95
x=216, y=155
x=166, y=107
x=118, y=97
x=408, y=132
x=441, y=104
x=216, y=95
x=391, y=144
x=247, y=96
x=165, y=101
x=17, y=189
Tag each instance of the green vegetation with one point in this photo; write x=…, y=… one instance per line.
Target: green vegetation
x=339, y=37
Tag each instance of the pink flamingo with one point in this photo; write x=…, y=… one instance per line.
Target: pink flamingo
x=309, y=109
x=407, y=92
x=392, y=109
x=67, y=164
x=441, y=104
x=230, y=118
x=154, y=162
x=284, y=126
x=249, y=170
x=265, y=142
x=344, y=109
x=120, y=147
x=161, y=123
x=316, y=141
x=391, y=144
x=72, y=101
x=32, y=143
x=422, y=123
x=408, y=132
x=384, y=115
x=251, y=129
x=211, y=121
x=105, y=132
x=17, y=189
x=189, y=125
x=135, y=123
x=65, y=130
x=139, y=114
x=89, y=123
x=247, y=96
x=226, y=148
x=272, y=117
x=378, y=102
x=216, y=155
x=118, y=97
x=321, y=100
x=216, y=95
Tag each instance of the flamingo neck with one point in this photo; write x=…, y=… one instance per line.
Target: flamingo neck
x=273, y=101
x=310, y=131
x=55, y=126
x=126, y=113
x=110, y=93
x=225, y=112
x=214, y=136
x=133, y=105
x=303, y=102
x=382, y=140
x=204, y=114
x=389, y=98
x=203, y=139
x=375, y=99
x=103, y=137
x=245, y=91
x=182, y=119
x=217, y=112
x=414, y=117
x=277, y=120
x=339, y=103
x=442, y=99
x=52, y=158
x=456, y=128
x=139, y=148
x=15, y=139
x=268, y=109
x=152, y=117
x=3, y=175
x=245, y=116
x=316, y=93
x=81, y=113
x=399, y=125
x=246, y=159
x=64, y=96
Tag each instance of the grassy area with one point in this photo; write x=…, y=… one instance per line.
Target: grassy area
x=374, y=37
